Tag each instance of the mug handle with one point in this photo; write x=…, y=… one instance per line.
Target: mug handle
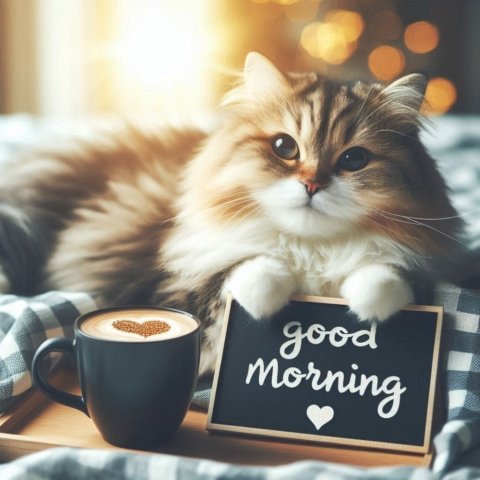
x=62, y=345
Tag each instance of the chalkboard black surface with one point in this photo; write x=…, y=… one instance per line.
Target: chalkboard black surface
x=314, y=372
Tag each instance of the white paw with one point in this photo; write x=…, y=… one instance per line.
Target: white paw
x=376, y=292
x=262, y=285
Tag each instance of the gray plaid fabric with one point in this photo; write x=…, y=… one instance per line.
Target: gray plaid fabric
x=460, y=375
x=24, y=324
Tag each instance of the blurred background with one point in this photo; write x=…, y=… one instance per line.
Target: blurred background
x=139, y=57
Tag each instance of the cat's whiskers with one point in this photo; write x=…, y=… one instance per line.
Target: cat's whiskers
x=411, y=221
x=385, y=215
x=253, y=213
x=433, y=219
x=214, y=209
x=243, y=202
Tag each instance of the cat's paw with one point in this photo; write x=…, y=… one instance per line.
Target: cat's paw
x=262, y=285
x=375, y=292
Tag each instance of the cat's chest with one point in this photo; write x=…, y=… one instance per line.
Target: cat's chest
x=321, y=267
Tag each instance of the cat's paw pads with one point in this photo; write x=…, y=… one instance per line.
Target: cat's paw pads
x=262, y=286
x=376, y=292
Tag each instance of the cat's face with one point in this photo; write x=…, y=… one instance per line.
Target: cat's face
x=315, y=157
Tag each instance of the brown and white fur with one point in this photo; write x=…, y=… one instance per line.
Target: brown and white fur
x=181, y=217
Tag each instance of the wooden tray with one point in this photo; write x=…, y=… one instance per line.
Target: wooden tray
x=37, y=424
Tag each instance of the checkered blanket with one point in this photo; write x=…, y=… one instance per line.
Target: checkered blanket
x=26, y=322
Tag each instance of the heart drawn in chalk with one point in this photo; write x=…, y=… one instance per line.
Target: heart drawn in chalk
x=320, y=416
x=147, y=328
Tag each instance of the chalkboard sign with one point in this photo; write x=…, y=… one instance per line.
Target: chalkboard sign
x=314, y=372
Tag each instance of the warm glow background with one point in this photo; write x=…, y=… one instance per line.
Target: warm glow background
x=170, y=57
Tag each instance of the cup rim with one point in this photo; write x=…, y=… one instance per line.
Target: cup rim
x=99, y=311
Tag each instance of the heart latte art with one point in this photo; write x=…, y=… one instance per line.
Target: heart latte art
x=150, y=327
x=138, y=325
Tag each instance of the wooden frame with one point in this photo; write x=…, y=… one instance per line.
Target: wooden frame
x=367, y=444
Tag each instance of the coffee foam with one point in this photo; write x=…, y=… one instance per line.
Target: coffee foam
x=101, y=325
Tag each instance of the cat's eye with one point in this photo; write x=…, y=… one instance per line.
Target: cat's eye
x=353, y=159
x=285, y=147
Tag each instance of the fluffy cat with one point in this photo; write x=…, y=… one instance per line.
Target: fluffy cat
x=306, y=186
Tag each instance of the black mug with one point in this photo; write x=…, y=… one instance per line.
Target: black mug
x=137, y=393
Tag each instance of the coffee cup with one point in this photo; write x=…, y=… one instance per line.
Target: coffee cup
x=137, y=370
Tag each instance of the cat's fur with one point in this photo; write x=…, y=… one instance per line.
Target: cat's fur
x=181, y=217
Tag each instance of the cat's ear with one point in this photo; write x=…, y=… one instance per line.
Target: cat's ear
x=407, y=91
x=262, y=77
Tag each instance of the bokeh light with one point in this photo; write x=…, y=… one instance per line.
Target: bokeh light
x=440, y=96
x=421, y=37
x=386, y=62
x=351, y=23
x=325, y=41
x=334, y=40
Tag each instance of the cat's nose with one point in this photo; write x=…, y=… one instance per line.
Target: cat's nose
x=312, y=186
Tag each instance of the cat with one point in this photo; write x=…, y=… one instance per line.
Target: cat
x=307, y=186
